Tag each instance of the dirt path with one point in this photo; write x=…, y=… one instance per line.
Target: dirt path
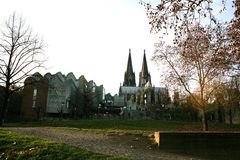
x=136, y=147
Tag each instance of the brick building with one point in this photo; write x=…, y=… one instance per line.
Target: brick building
x=34, y=97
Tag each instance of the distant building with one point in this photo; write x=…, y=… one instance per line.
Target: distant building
x=143, y=96
x=119, y=101
x=57, y=94
x=61, y=90
x=109, y=99
x=96, y=94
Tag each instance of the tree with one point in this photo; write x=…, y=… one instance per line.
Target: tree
x=176, y=100
x=20, y=52
x=178, y=15
x=92, y=98
x=232, y=97
x=227, y=96
x=209, y=50
x=234, y=36
x=197, y=61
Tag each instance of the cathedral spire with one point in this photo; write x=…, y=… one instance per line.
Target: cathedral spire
x=129, y=65
x=144, y=75
x=144, y=64
x=129, y=77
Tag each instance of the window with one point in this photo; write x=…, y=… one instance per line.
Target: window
x=93, y=89
x=34, y=104
x=34, y=98
x=68, y=102
x=34, y=92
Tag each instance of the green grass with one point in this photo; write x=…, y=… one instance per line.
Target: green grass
x=128, y=126
x=20, y=147
x=27, y=147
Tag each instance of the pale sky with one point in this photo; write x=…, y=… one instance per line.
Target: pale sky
x=90, y=37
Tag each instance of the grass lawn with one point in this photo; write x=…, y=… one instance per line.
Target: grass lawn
x=128, y=126
x=20, y=147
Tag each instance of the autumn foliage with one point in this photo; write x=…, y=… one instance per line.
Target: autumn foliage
x=204, y=50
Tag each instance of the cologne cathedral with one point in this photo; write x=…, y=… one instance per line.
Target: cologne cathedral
x=145, y=95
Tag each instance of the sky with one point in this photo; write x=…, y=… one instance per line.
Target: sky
x=90, y=37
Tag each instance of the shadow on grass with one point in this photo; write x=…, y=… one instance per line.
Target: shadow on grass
x=23, y=147
x=210, y=145
x=151, y=125
x=127, y=125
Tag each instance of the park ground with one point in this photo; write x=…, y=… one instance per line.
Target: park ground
x=97, y=139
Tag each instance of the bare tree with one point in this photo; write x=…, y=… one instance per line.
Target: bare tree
x=199, y=60
x=20, y=54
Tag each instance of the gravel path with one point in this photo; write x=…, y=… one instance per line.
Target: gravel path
x=136, y=147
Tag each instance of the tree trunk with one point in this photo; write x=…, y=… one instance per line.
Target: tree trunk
x=61, y=115
x=230, y=116
x=5, y=105
x=204, y=121
x=221, y=118
x=38, y=114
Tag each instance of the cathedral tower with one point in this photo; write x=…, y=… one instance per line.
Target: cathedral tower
x=129, y=76
x=144, y=75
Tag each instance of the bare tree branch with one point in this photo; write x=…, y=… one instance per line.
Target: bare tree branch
x=21, y=53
